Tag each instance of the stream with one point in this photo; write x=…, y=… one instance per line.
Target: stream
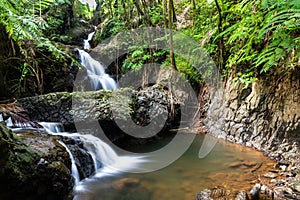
x=232, y=166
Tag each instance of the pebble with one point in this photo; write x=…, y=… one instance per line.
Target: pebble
x=254, y=192
x=283, y=167
x=273, y=181
x=242, y=195
x=263, y=189
x=297, y=187
x=281, y=182
x=204, y=195
x=278, y=192
x=270, y=175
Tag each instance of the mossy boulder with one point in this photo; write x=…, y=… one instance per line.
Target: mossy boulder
x=33, y=166
x=118, y=113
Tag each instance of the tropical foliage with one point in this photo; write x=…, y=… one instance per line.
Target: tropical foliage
x=29, y=25
x=246, y=39
x=264, y=39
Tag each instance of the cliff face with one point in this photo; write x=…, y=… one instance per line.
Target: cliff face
x=266, y=115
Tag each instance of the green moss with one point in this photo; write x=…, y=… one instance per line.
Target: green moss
x=15, y=156
x=58, y=166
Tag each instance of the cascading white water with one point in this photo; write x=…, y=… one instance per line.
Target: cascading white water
x=101, y=152
x=96, y=73
x=53, y=127
x=74, y=169
x=86, y=42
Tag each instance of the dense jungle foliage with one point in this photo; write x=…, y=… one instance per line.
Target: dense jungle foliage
x=246, y=39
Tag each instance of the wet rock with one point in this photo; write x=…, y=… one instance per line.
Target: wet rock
x=34, y=165
x=270, y=175
x=219, y=193
x=204, y=195
x=242, y=195
x=83, y=159
x=150, y=105
x=254, y=192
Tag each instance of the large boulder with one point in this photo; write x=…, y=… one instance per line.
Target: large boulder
x=106, y=107
x=33, y=165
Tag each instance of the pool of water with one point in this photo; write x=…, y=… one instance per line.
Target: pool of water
x=232, y=166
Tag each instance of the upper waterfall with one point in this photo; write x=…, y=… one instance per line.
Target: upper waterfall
x=96, y=72
x=86, y=42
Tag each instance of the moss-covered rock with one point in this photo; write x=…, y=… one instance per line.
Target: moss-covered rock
x=33, y=166
x=103, y=106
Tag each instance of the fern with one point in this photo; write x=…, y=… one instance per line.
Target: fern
x=264, y=38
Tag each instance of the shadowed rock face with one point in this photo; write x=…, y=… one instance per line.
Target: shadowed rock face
x=34, y=165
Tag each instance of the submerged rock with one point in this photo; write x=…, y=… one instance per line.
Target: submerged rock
x=124, y=183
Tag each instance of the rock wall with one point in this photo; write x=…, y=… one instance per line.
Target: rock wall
x=264, y=116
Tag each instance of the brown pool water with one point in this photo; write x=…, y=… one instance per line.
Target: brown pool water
x=229, y=165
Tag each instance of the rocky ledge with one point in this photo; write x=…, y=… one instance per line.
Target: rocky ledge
x=83, y=109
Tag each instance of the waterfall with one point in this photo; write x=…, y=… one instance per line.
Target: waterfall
x=74, y=169
x=111, y=163
x=86, y=42
x=52, y=127
x=99, y=150
x=96, y=72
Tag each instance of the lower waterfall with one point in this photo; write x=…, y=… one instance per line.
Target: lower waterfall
x=74, y=169
x=106, y=161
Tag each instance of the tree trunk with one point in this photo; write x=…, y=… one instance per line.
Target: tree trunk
x=171, y=17
x=221, y=40
x=127, y=22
